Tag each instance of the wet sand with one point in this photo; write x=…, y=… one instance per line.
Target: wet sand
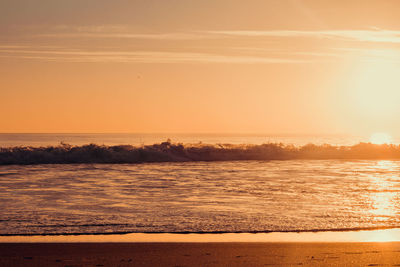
x=200, y=254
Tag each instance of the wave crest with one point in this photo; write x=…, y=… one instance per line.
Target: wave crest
x=177, y=152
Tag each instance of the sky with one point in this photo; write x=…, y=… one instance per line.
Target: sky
x=209, y=66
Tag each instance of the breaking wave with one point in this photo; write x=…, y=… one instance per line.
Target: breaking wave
x=176, y=152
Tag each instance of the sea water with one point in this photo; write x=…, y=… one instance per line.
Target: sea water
x=182, y=197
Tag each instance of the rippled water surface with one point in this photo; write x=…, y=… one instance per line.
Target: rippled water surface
x=239, y=196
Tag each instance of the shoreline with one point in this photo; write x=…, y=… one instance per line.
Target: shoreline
x=381, y=235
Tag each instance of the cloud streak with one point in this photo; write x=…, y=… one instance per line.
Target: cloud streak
x=246, y=55
x=119, y=35
x=124, y=32
x=385, y=36
x=223, y=52
x=138, y=57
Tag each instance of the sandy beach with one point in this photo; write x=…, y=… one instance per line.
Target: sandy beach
x=200, y=254
x=199, y=133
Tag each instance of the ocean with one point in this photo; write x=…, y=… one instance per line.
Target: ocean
x=199, y=196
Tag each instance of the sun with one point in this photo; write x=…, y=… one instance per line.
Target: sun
x=380, y=138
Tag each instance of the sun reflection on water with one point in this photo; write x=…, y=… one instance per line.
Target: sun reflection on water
x=382, y=196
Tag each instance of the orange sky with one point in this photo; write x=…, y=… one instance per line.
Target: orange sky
x=200, y=66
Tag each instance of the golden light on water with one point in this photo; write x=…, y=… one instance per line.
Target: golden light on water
x=380, y=138
x=383, y=199
x=382, y=205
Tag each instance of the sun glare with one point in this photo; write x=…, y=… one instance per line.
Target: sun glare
x=380, y=138
x=376, y=88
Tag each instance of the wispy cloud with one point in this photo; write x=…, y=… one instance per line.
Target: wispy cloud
x=235, y=47
x=385, y=36
x=138, y=57
x=121, y=35
x=373, y=54
x=13, y=46
x=376, y=35
x=280, y=51
x=108, y=32
x=130, y=32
